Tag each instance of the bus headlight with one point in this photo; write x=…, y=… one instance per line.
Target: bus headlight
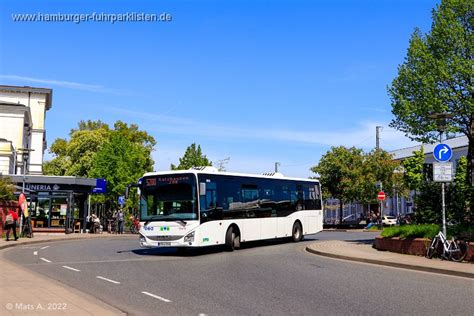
x=189, y=237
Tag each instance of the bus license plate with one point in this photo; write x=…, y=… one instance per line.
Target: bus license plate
x=164, y=244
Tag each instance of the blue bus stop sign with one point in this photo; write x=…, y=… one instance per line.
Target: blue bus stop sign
x=121, y=200
x=442, y=153
x=101, y=186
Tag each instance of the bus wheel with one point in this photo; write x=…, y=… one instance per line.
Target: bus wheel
x=232, y=239
x=297, y=232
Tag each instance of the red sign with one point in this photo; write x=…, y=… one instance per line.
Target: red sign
x=381, y=196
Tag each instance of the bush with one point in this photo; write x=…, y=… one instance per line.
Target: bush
x=411, y=231
x=463, y=231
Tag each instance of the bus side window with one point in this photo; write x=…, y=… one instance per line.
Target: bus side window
x=249, y=193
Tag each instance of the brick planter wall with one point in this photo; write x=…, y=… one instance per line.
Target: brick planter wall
x=411, y=246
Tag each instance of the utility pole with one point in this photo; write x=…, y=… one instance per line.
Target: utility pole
x=377, y=136
x=379, y=184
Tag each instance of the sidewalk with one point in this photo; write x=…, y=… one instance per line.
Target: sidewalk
x=362, y=251
x=23, y=291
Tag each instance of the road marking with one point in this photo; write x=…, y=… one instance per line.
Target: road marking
x=35, y=253
x=44, y=247
x=157, y=297
x=71, y=269
x=45, y=260
x=108, y=280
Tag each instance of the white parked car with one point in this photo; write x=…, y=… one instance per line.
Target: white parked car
x=389, y=220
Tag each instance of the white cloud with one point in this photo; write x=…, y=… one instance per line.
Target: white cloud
x=61, y=83
x=362, y=134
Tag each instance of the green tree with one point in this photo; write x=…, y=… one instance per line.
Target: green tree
x=338, y=169
x=350, y=175
x=193, y=157
x=7, y=189
x=123, y=159
x=380, y=166
x=428, y=203
x=120, y=155
x=437, y=76
x=413, y=170
x=74, y=157
x=459, y=194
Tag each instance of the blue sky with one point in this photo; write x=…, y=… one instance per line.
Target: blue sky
x=255, y=81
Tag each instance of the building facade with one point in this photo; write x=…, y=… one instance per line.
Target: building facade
x=54, y=202
x=22, y=122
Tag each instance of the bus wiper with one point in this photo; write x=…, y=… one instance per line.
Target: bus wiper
x=165, y=218
x=152, y=218
x=181, y=221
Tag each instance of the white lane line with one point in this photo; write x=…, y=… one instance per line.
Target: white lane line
x=35, y=253
x=45, y=260
x=108, y=280
x=44, y=247
x=157, y=297
x=66, y=267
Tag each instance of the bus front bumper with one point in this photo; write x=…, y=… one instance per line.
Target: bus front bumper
x=149, y=243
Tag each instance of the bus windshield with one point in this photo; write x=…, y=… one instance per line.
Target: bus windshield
x=169, y=198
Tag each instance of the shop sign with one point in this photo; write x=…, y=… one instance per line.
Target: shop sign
x=42, y=187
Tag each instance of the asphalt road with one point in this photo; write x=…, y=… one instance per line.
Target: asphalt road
x=271, y=278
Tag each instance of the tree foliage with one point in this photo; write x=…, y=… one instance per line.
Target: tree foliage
x=122, y=160
x=337, y=168
x=460, y=193
x=350, y=175
x=413, y=167
x=193, y=157
x=120, y=155
x=437, y=76
x=7, y=189
x=74, y=157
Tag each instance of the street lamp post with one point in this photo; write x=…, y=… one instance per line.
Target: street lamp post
x=25, y=154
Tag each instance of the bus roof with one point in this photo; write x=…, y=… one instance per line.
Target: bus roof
x=213, y=170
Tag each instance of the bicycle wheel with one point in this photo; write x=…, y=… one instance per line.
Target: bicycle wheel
x=432, y=248
x=458, y=250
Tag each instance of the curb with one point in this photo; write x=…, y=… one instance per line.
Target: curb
x=30, y=242
x=393, y=264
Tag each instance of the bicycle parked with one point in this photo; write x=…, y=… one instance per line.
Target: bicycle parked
x=454, y=249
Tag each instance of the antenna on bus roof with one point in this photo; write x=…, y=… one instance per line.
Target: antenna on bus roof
x=205, y=168
x=273, y=174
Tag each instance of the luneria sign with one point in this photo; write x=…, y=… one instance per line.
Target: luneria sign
x=42, y=187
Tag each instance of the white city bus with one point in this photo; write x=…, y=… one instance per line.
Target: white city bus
x=204, y=207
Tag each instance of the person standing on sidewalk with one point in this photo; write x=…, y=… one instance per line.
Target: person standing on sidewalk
x=120, y=221
x=10, y=223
